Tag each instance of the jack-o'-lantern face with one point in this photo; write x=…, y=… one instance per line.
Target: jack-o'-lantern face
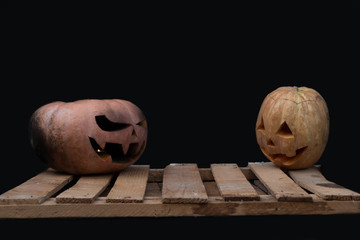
x=89, y=136
x=285, y=151
x=130, y=147
x=293, y=127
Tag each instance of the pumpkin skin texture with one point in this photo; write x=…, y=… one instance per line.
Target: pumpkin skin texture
x=88, y=136
x=292, y=127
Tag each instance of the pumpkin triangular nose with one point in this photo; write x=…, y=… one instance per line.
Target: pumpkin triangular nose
x=134, y=133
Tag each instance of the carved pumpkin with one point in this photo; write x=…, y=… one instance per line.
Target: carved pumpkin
x=88, y=136
x=292, y=127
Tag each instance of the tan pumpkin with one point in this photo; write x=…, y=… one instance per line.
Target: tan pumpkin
x=292, y=127
x=88, y=136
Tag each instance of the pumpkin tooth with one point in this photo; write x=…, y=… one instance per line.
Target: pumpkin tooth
x=96, y=146
x=286, y=160
x=115, y=150
x=125, y=148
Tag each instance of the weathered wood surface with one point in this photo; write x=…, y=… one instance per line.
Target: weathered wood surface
x=37, y=189
x=182, y=184
x=130, y=185
x=278, y=183
x=151, y=202
x=232, y=183
x=155, y=208
x=86, y=189
x=156, y=174
x=312, y=180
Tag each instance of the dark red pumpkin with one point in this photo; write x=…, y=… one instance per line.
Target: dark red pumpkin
x=88, y=136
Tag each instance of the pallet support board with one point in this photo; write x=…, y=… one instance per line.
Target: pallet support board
x=155, y=208
x=148, y=199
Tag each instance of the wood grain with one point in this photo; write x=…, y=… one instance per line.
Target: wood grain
x=278, y=183
x=267, y=205
x=182, y=184
x=130, y=185
x=187, y=175
x=156, y=174
x=37, y=189
x=312, y=180
x=86, y=189
x=232, y=183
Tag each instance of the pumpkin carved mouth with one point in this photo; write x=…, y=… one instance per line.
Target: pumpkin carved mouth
x=116, y=151
x=283, y=159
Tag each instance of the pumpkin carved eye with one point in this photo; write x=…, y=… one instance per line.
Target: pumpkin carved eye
x=107, y=125
x=261, y=126
x=142, y=123
x=270, y=142
x=284, y=131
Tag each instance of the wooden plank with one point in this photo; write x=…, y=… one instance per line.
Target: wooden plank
x=278, y=183
x=156, y=174
x=86, y=189
x=37, y=189
x=155, y=208
x=312, y=180
x=130, y=185
x=232, y=183
x=182, y=184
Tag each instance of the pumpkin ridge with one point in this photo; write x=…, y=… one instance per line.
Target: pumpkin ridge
x=287, y=99
x=124, y=105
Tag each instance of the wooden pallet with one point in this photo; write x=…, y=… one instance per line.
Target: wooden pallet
x=180, y=190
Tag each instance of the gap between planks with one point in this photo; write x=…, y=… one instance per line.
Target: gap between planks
x=37, y=189
x=129, y=186
x=282, y=187
x=86, y=189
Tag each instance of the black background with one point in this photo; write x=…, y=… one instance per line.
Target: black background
x=200, y=77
